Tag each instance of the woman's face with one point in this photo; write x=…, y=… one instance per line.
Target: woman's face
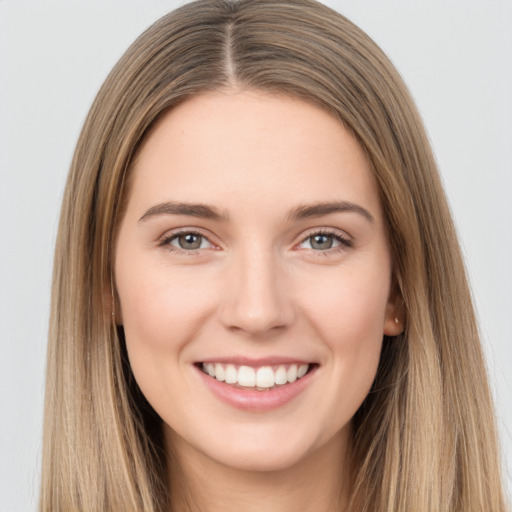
x=253, y=250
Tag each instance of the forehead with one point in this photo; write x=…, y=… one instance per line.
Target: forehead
x=225, y=147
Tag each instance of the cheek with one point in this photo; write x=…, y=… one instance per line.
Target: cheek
x=160, y=306
x=348, y=315
x=350, y=307
x=161, y=312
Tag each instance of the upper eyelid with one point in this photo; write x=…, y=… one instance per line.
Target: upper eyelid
x=173, y=233
x=326, y=231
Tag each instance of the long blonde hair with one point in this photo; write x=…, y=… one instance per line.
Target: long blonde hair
x=424, y=438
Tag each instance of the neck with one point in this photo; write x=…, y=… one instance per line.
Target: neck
x=316, y=484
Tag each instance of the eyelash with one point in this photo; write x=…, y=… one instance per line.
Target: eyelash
x=166, y=242
x=344, y=243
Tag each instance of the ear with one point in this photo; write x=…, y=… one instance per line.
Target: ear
x=394, y=322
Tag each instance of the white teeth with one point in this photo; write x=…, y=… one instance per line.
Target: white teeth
x=211, y=370
x=280, y=377
x=302, y=370
x=219, y=372
x=264, y=377
x=246, y=376
x=291, y=374
x=231, y=374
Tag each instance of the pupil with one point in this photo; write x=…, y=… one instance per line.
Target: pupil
x=321, y=242
x=190, y=241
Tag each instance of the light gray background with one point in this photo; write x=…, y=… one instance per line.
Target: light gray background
x=456, y=57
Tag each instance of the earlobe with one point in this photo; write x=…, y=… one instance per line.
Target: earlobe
x=395, y=315
x=393, y=325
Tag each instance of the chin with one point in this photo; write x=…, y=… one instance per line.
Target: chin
x=270, y=460
x=262, y=448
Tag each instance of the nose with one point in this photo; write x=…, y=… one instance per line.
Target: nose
x=256, y=301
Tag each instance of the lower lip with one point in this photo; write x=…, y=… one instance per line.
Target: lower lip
x=257, y=401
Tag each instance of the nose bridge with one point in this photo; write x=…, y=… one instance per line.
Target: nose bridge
x=256, y=299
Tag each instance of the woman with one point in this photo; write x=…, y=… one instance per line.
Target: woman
x=259, y=299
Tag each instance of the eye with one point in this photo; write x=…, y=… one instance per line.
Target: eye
x=324, y=242
x=187, y=241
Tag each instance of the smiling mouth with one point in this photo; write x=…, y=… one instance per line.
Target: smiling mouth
x=262, y=378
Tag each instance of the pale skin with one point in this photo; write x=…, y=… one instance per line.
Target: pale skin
x=253, y=229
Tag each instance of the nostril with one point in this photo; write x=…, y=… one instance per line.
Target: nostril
x=257, y=322
x=255, y=299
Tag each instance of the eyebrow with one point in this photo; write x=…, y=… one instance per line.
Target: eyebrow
x=319, y=209
x=203, y=211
